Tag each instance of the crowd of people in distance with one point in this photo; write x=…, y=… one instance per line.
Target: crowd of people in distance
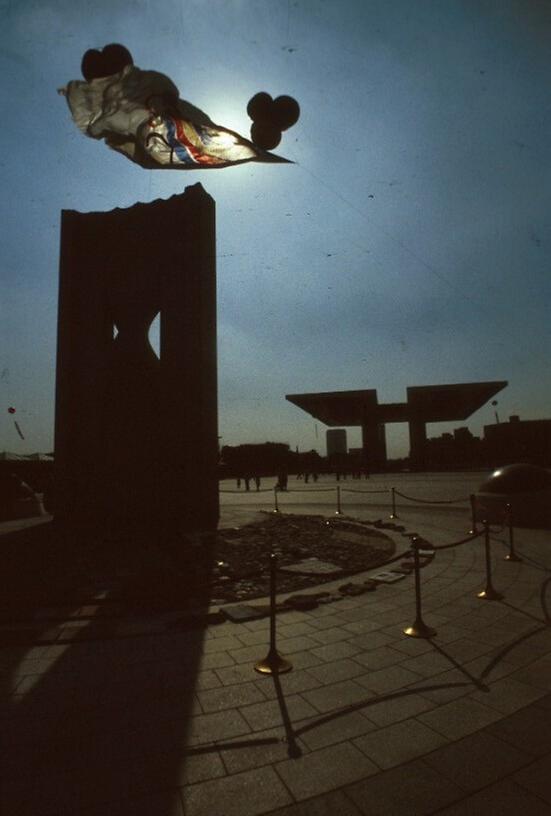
x=282, y=478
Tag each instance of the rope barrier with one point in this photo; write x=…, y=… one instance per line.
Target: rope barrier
x=396, y=558
x=309, y=490
x=472, y=537
x=432, y=501
x=354, y=490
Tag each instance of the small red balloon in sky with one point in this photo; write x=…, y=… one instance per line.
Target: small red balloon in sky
x=11, y=410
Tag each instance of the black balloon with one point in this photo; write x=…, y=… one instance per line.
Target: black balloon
x=285, y=112
x=270, y=117
x=260, y=107
x=265, y=135
x=110, y=60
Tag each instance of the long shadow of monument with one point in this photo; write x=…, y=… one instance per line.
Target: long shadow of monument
x=96, y=717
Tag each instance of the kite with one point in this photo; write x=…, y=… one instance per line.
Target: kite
x=140, y=114
x=11, y=410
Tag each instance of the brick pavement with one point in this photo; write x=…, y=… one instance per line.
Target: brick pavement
x=369, y=721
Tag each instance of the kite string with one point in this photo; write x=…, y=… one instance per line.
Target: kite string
x=430, y=268
x=476, y=302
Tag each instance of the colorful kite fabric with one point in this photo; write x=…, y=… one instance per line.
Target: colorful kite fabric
x=140, y=114
x=172, y=141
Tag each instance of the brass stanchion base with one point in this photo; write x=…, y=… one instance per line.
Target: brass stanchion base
x=489, y=594
x=338, y=512
x=419, y=630
x=276, y=511
x=513, y=557
x=273, y=663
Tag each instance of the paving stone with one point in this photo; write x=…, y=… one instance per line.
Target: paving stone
x=324, y=770
x=371, y=640
x=413, y=789
x=240, y=613
x=206, y=680
x=219, y=699
x=545, y=702
x=528, y=729
x=444, y=688
x=361, y=627
x=326, y=618
x=332, y=635
x=466, y=649
x=538, y=673
x=243, y=794
x=303, y=660
x=218, y=726
x=221, y=644
x=508, y=695
x=337, y=695
x=291, y=630
x=429, y=664
x=295, y=644
x=535, y=778
x=412, y=646
x=263, y=748
x=216, y=660
x=268, y=713
x=293, y=682
x=477, y=760
x=255, y=625
x=167, y=804
x=339, y=670
x=379, y=658
x=261, y=637
x=228, y=675
x=388, y=679
x=493, y=636
x=399, y=743
x=459, y=718
x=363, y=612
x=334, y=651
x=504, y=798
x=331, y=729
x=329, y=804
x=399, y=707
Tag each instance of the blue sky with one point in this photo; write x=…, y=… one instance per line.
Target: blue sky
x=409, y=244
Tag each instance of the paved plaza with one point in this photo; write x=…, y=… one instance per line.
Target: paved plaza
x=162, y=721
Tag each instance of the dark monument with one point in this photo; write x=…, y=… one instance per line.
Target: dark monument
x=136, y=444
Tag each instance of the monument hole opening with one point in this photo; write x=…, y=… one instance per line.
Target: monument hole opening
x=154, y=335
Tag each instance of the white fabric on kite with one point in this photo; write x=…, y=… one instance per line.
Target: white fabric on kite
x=139, y=113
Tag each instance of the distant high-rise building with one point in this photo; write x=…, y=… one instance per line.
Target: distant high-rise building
x=336, y=441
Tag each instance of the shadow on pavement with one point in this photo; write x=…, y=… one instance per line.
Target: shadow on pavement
x=89, y=722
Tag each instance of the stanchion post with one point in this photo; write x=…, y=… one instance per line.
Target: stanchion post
x=489, y=593
x=276, y=506
x=273, y=663
x=393, y=513
x=419, y=628
x=472, y=499
x=511, y=555
x=338, y=511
